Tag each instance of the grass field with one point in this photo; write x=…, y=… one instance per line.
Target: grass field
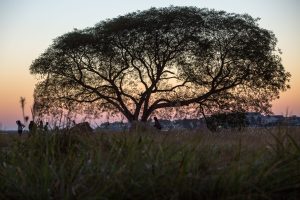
x=252, y=164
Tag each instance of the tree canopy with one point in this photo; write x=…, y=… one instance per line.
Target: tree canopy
x=161, y=59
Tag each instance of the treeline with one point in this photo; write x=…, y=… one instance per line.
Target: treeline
x=227, y=120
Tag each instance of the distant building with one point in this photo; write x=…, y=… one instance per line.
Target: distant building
x=293, y=120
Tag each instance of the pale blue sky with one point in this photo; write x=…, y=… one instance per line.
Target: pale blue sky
x=29, y=26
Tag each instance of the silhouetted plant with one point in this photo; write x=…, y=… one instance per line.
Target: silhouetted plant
x=74, y=165
x=23, y=102
x=166, y=59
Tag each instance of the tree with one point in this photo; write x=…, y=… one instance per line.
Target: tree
x=162, y=59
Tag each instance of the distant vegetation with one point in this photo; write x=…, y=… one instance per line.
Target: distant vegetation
x=226, y=120
x=263, y=164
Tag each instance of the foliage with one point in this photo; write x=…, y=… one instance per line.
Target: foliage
x=226, y=120
x=64, y=165
x=22, y=103
x=159, y=60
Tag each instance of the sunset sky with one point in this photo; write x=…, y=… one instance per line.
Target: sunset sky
x=28, y=27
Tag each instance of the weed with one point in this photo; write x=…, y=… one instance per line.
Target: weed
x=151, y=165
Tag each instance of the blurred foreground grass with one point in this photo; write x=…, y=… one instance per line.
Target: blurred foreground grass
x=253, y=164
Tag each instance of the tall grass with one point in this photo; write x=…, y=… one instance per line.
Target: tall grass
x=264, y=164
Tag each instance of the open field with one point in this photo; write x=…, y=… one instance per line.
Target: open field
x=253, y=164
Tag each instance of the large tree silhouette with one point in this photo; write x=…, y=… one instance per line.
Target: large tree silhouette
x=159, y=59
